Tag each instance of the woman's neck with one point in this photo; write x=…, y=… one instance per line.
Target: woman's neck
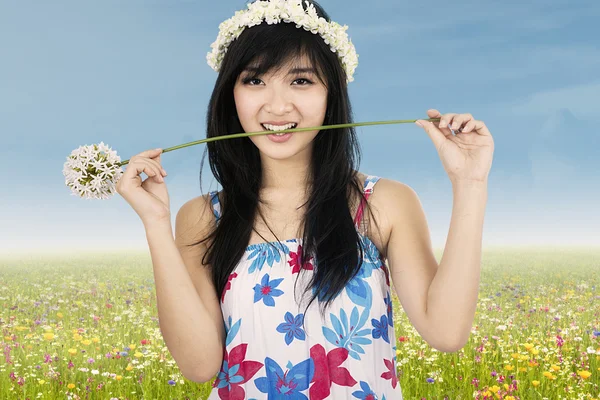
x=285, y=175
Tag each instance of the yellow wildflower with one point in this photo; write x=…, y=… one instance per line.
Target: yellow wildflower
x=584, y=374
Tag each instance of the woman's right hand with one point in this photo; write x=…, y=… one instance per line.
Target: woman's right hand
x=149, y=198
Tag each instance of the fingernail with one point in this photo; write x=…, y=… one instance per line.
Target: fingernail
x=419, y=123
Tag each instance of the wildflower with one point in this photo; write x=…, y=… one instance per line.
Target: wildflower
x=584, y=374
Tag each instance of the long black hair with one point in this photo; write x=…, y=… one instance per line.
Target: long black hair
x=329, y=234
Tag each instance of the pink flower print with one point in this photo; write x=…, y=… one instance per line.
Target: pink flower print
x=228, y=285
x=328, y=371
x=295, y=261
x=391, y=373
x=235, y=371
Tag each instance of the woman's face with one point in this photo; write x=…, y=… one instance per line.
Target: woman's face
x=291, y=96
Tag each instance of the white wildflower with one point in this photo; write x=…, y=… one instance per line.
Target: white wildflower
x=288, y=11
x=92, y=172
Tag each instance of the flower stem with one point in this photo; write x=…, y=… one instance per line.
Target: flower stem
x=243, y=134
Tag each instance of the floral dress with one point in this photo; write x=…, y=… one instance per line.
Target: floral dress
x=274, y=351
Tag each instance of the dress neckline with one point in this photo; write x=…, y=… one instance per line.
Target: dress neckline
x=260, y=245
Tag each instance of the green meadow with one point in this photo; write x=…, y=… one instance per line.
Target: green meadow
x=85, y=327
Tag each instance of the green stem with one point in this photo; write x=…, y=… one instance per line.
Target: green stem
x=243, y=134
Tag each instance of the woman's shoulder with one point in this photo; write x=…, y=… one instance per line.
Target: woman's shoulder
x=388, y=198
x=385, y=186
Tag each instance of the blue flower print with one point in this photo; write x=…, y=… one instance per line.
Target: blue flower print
x=369, y=262
x=292, y=327
x=231, y=330
x=359, y=291
x=366, y=393
x=380, y=328
x=349, y=335
x=265, y=253
x=288, y=385
x=390, y=310
x=227, y=375
x=265, y=290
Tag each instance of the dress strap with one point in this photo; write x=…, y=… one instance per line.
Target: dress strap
x=370, y=182
x=216, y=206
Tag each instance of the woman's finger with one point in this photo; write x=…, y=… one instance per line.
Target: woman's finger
x=446, y=120
x=459, y=120
x=147, y=166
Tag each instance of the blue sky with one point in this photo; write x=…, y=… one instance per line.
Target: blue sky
x=134, y=75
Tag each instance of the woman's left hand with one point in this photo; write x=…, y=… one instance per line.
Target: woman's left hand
x=467, y=154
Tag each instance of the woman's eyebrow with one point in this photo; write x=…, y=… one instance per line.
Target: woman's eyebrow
x=301, y=71
x=293, y=71
x=250, y=69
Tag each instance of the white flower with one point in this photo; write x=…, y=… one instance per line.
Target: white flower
x=92, y=172
x=288, y=11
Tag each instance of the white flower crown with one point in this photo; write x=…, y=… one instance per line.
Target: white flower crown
x=275, y=11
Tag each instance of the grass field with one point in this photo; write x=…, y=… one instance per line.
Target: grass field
x=85, y=327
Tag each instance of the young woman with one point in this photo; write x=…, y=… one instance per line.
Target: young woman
x=279, y=285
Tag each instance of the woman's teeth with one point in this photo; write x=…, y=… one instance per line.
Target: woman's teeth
x=279, y=128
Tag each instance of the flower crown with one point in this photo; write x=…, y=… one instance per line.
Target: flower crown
x=275, y=11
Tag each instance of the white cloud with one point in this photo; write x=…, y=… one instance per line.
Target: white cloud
x=582, y=100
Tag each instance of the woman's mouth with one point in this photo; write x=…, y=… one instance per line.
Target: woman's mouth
x=275, y=128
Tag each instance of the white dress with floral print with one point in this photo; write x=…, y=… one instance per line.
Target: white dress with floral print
x=274, y=351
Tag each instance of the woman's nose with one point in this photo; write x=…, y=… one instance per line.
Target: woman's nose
x=278, y=102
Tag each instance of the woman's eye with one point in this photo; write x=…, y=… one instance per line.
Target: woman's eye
x=307, y=82
x=249, y=80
